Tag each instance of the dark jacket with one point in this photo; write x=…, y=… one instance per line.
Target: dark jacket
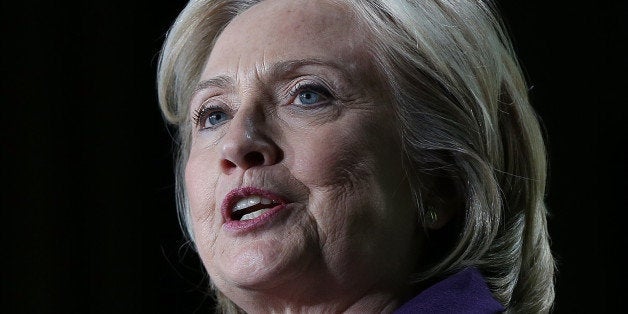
x=463, y=292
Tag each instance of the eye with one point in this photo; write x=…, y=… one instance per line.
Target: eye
x=210, y=117
x=310, y=95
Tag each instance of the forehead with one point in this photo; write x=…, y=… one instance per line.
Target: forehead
x=282, y=30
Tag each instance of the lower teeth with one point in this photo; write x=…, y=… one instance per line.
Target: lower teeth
x=254, y=214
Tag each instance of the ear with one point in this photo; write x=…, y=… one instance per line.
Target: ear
x=442, y=204
x=437, y=217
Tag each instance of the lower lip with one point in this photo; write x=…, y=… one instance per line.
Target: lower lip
x=242, y=226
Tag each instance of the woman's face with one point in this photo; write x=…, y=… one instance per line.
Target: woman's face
x=294, y=176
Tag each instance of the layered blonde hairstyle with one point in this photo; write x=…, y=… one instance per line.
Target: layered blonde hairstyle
x=470, y=137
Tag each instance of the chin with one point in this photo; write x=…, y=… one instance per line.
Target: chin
x=261, y=264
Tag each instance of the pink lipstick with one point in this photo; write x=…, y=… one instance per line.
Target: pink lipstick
x=249, y=208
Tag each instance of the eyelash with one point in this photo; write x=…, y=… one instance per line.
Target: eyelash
x=202, y=113
x=301, y=87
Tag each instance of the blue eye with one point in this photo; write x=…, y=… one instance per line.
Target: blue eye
x=216, y=118
x=210, y=117
x=309, y=97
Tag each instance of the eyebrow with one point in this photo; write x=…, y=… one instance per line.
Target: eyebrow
x=283, y=68
x=279, y=69
x=221, y=81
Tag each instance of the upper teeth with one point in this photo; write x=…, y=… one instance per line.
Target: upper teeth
x=250, y=201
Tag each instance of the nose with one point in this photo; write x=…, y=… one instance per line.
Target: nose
x=248, y=144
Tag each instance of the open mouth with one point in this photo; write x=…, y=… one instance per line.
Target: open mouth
x=251, y=207
x=248, y=208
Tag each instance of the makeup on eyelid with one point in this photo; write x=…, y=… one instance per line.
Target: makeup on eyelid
x=321, y=93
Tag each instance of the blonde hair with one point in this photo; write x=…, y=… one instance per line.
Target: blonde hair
x=467, y=126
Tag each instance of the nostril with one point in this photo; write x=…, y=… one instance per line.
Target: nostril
x=227, y=165
x=253, y=159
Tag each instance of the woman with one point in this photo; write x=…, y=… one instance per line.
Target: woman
x=357, y=156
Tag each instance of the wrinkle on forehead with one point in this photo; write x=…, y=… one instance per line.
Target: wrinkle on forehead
x=286, y=29
x=311, y=15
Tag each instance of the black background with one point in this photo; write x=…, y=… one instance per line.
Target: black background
x=88, y=217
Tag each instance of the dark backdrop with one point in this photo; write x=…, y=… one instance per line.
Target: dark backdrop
x=88, y=217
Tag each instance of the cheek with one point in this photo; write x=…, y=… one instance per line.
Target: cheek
x=355, y=181
x=329, y=159
x=348, y=153
x=356, y=160
x=201, y=182
x=339, y=169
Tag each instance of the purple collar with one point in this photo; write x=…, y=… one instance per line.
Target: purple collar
x=464, y=292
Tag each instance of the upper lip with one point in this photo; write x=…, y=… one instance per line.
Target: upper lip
x=237, y=194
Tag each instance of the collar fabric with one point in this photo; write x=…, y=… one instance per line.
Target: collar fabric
x=463, y=292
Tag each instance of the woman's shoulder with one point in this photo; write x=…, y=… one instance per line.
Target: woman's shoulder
x=463, y=292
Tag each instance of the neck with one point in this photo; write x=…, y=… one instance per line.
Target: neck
x=323, y=302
